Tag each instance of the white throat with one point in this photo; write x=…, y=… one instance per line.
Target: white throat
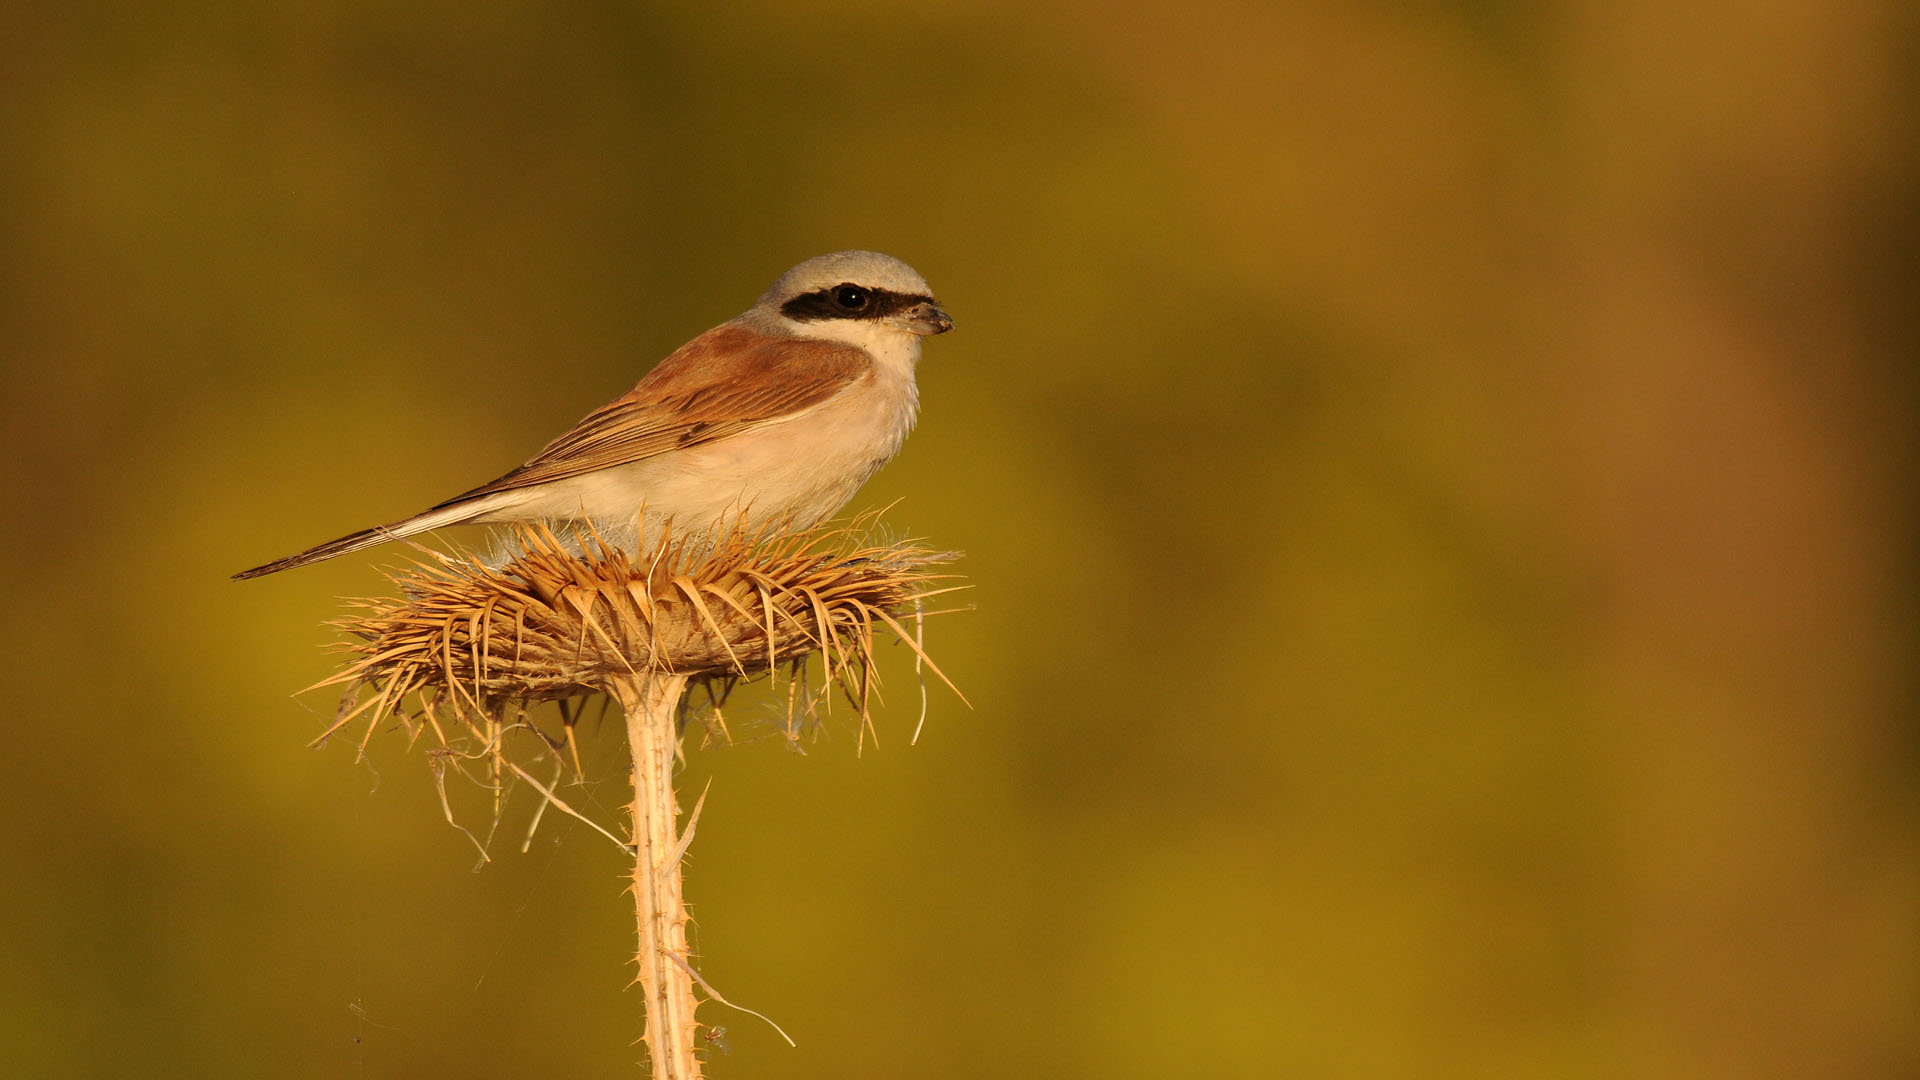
x=893, y=349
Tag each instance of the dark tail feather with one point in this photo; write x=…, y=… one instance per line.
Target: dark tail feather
x=445, y=514
x=352, y=542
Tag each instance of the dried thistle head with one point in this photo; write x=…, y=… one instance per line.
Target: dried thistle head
x=562, y=615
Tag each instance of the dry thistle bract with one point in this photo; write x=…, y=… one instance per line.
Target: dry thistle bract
x=564, y=613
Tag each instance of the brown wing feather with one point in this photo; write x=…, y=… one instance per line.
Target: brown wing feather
x=723, y=382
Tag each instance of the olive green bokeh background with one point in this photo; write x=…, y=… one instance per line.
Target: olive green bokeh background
x=1436, y=480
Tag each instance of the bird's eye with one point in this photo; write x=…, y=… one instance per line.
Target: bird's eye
x=851, y=297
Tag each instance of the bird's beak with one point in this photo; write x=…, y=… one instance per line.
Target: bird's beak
x=925, y=319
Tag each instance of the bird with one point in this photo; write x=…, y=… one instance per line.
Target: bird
x=776, y=416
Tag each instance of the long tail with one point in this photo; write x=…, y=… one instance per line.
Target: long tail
x=379, y=534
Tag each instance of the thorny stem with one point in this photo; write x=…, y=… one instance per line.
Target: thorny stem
x=651, y=702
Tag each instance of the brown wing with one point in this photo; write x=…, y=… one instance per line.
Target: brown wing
x=723, y=382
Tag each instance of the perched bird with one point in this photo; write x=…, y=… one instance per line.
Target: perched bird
x=777, y=415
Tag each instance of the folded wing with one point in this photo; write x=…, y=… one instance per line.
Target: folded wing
x=726, y=381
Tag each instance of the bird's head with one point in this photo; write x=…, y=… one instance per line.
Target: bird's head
x=860, y=297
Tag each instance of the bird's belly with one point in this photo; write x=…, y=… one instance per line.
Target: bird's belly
x=800, y=470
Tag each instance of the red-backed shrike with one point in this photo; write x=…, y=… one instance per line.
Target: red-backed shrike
x=778, y=415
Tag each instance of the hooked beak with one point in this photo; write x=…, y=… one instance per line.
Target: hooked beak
x=926, y=319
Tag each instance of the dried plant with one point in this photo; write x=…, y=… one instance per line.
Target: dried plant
x=469, y=645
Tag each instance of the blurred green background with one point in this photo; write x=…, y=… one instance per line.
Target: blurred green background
x=1437, y=481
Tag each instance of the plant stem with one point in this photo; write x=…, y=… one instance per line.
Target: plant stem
x=651, y=703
